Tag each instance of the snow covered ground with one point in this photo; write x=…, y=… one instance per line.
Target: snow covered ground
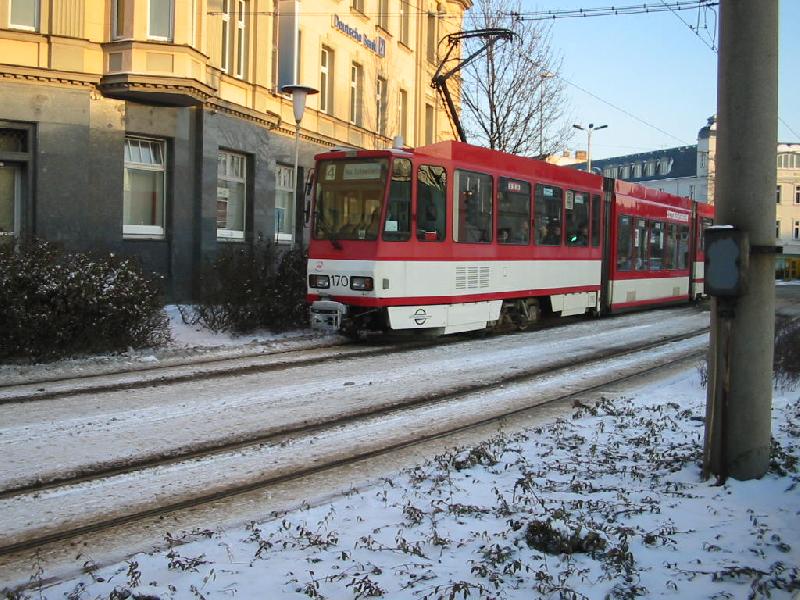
x=605, y=502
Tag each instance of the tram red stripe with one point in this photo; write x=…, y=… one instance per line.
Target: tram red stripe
x=650, y=302
x=417, y=300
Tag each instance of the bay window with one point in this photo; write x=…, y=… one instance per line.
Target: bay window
x=24, y=14
x=160, y=20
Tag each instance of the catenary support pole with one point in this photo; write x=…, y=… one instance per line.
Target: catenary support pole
x=740, y=360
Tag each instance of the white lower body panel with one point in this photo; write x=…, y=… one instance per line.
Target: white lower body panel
x=453, y=318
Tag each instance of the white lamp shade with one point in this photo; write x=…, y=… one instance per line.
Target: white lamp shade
x=299, y=94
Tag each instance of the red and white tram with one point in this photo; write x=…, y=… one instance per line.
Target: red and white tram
x=451, y=237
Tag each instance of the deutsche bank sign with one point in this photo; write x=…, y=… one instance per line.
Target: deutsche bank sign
x=376, y=44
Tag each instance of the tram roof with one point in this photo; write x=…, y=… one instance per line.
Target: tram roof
x=509, y=164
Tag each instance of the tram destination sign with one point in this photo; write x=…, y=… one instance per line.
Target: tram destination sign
x=376, y=44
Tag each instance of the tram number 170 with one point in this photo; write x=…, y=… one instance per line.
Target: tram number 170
x=340, y=280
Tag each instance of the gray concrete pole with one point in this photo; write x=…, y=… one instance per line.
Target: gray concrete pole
x=740, y=361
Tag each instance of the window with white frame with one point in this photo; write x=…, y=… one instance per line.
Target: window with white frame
x=326, y=80
x=383, y=14
x=403, y=101
x=118, y=18
x=405, y=22
x=797, y=194
x=432, y=39
x=357, y=5
x=144, y=185
x=241, y=38
x=789, y=160
x=380, y=104
x=796, y=232
x=225, y=56
x=9, y=199
x=284, y=204
x=666, y=165
x=24, y=14
x=356, y=86
x=231, y=195
x=428, y=124
x=650, y=169
x=160, y=20
x=637, y=170
x=12, y=141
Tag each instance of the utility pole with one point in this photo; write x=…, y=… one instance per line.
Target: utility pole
x=737, y=436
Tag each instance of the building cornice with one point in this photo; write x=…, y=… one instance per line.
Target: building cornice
x=49, y=76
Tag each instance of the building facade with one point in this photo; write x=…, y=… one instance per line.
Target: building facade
x=157, y=128
x=689, y=171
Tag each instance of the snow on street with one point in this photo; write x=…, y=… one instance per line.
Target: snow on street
x=91, y=430
x=606, y=502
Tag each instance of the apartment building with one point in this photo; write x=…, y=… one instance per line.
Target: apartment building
x=157, y=128
x=689, y=171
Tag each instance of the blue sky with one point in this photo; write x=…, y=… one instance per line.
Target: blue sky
x=658, y=70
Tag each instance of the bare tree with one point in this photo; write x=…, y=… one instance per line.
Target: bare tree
x=512, y=98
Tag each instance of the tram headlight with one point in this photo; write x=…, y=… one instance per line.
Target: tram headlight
x=361, y=284
x=320, y=282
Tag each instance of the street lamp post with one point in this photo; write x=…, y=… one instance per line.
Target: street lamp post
x=543, y=75
x=299, y=94
x=588, y=131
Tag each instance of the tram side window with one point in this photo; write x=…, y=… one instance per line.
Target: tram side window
x=639, y=257
x=596, y=206
x=431, y=200
x=670, y=246
x=397, y=226
x=682, y=256
x=624, y=247
x=514, y=212
x=547, y=210
x=576, y=211
x=472, y=208
x=656, y=246
x=701, y=234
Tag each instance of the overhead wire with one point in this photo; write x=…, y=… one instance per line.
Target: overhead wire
x=622, y=110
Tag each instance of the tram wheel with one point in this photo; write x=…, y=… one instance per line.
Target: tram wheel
x=527, y=313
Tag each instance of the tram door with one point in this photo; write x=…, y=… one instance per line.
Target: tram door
x=9, y=199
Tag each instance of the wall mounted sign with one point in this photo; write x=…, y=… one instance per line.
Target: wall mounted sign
x=375, y=44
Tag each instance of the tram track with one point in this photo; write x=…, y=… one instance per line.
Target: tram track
x=264, y=460
x=173, y=370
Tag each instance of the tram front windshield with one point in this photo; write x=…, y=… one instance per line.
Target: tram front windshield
x=350, y=198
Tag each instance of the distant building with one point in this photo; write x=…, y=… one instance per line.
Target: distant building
x=157, y=128
x=689, y=171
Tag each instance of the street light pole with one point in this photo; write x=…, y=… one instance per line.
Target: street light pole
x=588, y=131
x=299, y=95
x=543, y=75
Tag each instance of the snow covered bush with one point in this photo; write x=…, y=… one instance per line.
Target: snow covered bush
x=58, y=304
x=248, y=288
